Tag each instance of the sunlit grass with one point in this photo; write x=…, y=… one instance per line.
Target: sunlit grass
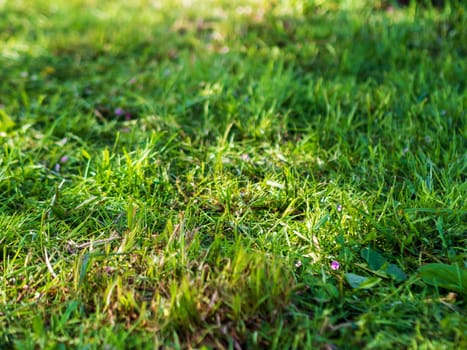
x=231, y=174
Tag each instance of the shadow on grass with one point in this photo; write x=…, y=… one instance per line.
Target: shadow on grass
x=350, y=80
x=182, y=68
x=354, y=82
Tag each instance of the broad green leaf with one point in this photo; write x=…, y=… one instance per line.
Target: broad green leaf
x=374, y=259
x=355, y=280
x=451, y=277
x=370, y=283
x=396, y=273
x=361, y=282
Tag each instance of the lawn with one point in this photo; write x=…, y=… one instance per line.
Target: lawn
x=233, y=174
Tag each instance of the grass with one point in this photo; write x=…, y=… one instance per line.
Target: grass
x=182, y=175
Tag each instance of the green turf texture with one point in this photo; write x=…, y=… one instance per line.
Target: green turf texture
x=232, y=174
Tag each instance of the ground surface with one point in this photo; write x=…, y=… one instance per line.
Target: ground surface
x=232, y=174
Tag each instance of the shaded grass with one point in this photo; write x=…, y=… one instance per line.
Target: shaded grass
x=256, y=144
